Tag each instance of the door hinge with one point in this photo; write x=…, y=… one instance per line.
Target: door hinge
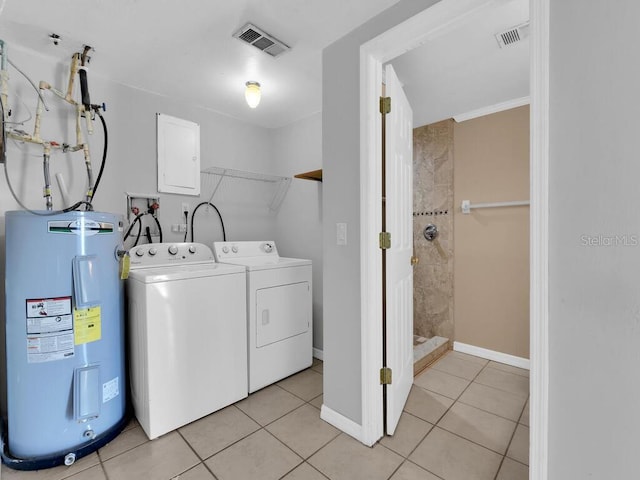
x=385, y=240
x=385, y=376
x=385, y=105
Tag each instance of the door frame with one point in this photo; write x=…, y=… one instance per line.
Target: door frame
x=390, y=44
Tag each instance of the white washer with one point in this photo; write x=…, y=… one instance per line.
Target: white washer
x=187, y=334
x=278, y=309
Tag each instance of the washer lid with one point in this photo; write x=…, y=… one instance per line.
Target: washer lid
x=266, y=263
x=183, y=272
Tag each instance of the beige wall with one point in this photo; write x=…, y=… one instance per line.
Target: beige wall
x=491, y=271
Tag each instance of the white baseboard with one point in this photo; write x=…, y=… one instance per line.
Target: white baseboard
x=341, y=422
x=492, y=355
x=319, y=354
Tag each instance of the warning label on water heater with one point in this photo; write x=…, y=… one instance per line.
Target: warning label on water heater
x=49, y=329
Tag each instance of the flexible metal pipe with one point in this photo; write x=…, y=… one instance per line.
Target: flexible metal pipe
x=47, y=176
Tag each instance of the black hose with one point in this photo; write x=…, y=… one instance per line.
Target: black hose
x=104, y=153
x=3, y=153
x=186, y=223
x=148, y=233
x=138, y=219
x=159, y=227
x=193, y=214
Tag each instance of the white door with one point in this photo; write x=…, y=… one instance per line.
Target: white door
x=399, y=271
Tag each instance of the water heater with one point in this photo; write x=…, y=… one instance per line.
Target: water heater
x=65, y=366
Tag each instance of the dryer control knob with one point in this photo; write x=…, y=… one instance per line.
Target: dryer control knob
x=267, y=247
x=153, y=251
x=173, y=249
x=234, y=249
x=192, y=249
x=225, y=249
x=139, y=252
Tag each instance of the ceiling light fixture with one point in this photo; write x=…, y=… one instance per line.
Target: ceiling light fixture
x=252, y=94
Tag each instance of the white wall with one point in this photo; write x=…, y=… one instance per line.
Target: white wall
x=341, y=203
x=594, y=290
x=131, y=163
x=297, y=148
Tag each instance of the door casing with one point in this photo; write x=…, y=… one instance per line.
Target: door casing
x=392, y=43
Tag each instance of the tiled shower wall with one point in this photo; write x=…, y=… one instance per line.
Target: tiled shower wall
x=433, y=203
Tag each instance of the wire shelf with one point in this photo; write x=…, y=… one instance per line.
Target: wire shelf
x=270, y=189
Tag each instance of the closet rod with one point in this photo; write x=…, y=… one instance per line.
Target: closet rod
x=467, y=205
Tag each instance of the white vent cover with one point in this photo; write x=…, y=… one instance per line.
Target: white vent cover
x=261, y=40
x=513, y=35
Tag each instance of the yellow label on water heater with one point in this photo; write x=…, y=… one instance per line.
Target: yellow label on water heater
x=87, y=325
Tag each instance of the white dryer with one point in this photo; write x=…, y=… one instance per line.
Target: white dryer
x=187, y=334
x=279, y=307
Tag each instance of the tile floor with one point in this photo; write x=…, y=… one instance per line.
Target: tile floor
x=466, y=419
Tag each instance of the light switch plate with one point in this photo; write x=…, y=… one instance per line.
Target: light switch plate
x=341, y=233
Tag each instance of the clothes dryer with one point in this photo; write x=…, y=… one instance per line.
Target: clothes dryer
x=279, y=309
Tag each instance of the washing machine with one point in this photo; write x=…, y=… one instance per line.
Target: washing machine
x=279, y=318
x=187, y=334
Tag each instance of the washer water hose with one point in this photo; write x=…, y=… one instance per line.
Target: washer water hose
x=224, y=234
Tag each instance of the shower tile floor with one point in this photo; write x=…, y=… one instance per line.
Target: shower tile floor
x=466, y=419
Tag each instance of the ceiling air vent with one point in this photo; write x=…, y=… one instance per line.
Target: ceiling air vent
x=261, y=40
x=513, y=35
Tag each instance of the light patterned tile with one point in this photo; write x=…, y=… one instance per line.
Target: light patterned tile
x=410, y=471
x=442, y=383
x=269, y=404
x=199, y=472
x=127, y=440
x=498, y=402
x=524, y=419
x=56, y=473
x=519, y=448
x=453, y=458
x=318, y=365
x=217, y=431
x=523, y=372
x=467, y=357
x=317, y=402
x=304, y=472
x=479, y=426
x=512, y=470
x=409, y=433
x=305, y=385
x=458, y=367
x=427, y=405
x=506, y=381
x=303, y=431
x=93, y=473
x=258, y=457
x=160, y=459
x=347, y=459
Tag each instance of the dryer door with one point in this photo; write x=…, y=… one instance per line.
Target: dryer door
x=282, y=312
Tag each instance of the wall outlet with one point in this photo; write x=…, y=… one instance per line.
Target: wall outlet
x=186, y=207
x=183, y=228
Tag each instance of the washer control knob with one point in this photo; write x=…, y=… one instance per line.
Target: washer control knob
x=192, y=249
x=153, y=251
x=139, y=252
x=173, y=249
x=225, y=249
x=234, y=249
x=267, y=247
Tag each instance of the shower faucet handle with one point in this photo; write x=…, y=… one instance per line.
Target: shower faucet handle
x=430, y=232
